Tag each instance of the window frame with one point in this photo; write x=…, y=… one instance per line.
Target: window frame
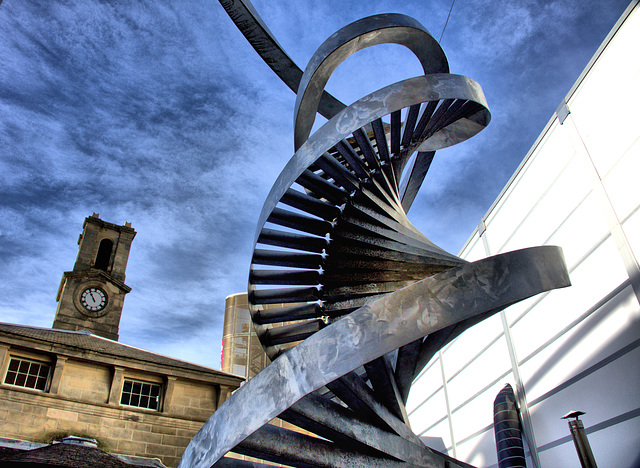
x=140, y=395
x=24, y=359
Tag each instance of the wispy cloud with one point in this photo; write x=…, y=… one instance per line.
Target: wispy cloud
x=161, y=114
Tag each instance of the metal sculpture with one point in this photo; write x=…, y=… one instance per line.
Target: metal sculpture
x=370, y=299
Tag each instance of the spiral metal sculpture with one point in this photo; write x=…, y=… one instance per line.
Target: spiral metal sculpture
x=370, y=299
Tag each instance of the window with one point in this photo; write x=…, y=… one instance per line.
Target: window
x=141, y=394
x=104, y=254
x=27, y=373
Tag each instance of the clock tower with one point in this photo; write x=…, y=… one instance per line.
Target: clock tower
x=92, y=295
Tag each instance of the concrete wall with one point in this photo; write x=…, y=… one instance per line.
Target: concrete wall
x=571, y=349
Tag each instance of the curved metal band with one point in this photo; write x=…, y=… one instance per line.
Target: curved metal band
x=377, y=105
x=251, y=25
x=372, y=331
x=378, y=29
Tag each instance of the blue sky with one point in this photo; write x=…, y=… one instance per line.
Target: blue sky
x=161, y=114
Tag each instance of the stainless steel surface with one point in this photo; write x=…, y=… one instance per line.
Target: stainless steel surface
x=580, y=440
x=367, y=32
x=366, y=298
x=262, y=40
x=373, y=331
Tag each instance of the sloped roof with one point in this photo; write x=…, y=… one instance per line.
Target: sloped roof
x=85, y=341
x=64, y=455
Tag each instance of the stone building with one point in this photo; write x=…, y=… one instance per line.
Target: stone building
x=70, y=380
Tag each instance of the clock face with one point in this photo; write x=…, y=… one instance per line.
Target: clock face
x=93, y=299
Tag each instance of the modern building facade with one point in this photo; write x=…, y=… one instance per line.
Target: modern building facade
x=242, y=353
x=572, y=349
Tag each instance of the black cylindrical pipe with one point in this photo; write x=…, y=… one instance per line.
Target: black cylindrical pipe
x=508, y=430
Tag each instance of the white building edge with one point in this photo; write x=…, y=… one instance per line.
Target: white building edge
x=572, y=349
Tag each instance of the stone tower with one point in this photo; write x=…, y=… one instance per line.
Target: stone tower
x=92, y=295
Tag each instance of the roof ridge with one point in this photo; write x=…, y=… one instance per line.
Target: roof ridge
x=89, y=335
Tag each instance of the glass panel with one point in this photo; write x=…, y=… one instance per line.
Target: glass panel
x=42, y=383
x=24, y=366
x=11, y=378
x=31, y=381
x=13, y=365
x=21, y=380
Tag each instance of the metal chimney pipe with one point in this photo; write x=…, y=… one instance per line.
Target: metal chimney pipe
x=580, y=440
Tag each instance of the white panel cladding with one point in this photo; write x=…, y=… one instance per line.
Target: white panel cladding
x=472, y=343
x=605, y=105
x=615, y=324
x=488, y=367
x=428, y=383
x=431, y=412
x=547, y=162
x=475, y=249
x=620, y=182
x=479, y=450
x=440, y=430
x=556, y=311
x=632, y=230
x=581, y=232
x=576, y=348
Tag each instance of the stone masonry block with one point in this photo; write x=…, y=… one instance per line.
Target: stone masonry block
x=118, y=423
x=147, y=437
x=128, y=447
x=122, y=434
x=89, y=419
x=186, y=433
x=170, y=461
x=163, y=430
x=161, y=450
x=62, y=415
x=177, y=441
x=13, y=406
x=136, y=426
x=110, y=442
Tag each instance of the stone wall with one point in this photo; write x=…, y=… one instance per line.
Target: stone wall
x=83, y=398
x=34, y=416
